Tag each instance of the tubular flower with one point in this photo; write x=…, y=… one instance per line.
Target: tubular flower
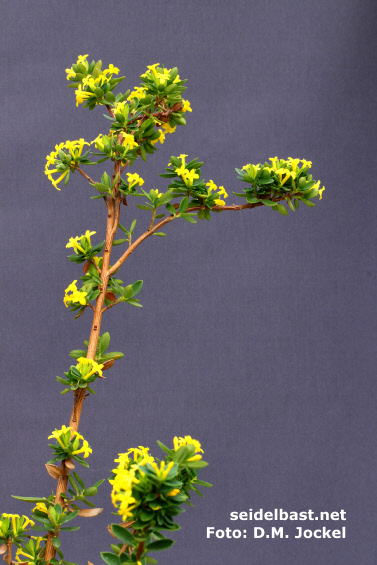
x=162, y=471
x=134, y=179
x=188, y=440
x=190, y=176
x=72, y=151
x=128, y=139
x=57, y=434
x=168, y=128
x=88, y=367
x=41, y=507
x=282, y=171
x=186, y=106
x=121, y=494
x=213, y=187
x=76, y=296
x=173, y=492
x=320, y=192
x=85, y=449
x=73, y=241
x=138, y=92
x=17, y=523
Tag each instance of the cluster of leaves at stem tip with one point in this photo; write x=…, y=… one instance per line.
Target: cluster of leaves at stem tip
x=147, y=493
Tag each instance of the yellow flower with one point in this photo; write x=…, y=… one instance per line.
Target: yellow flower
x=173, y=492
x=188, y=440
x=168, y=128
x=162, y=471
x=186, y=106
x=306, y=163
x=85, y=449
x=245, y=167
x=41, y=507
x=138, y=92
x=219, y=202
x=211, y=186
x=73, y=241
x=88, y=367
x=182, y=171
x=190, y=176
x=222, y=191
x=134, y=179
x=82, y=95
x=111, y=70
x=75, y=148
x=128, y=139
x=76, y=296
x=56, y=434
x=293, y=163
x=320, y=192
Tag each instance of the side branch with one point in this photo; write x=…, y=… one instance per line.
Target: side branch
x=165, y=221
x=84, y=174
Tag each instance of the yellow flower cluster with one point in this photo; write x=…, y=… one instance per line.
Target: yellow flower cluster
x=187, y=176
x=88, y=367
x=188, y=440
x=63, y=440
x=73, y=241
x=74, y=148
x=138, y=92
x=212, y=187
x=91, y=80
x=19, y=523
x=161, y=75
x=30, y=556
x=125, y=478
x=285, y=169
x=76, y=295
x=134, y=179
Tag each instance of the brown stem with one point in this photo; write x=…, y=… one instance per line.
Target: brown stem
x=113, y=211
x=84, y=174
x=95, y=264
x=8, y=558
x=165, y=221
x=140, y=551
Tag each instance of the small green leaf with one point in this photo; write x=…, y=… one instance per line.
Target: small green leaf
x=110, y=558
x=55, y=542
x=123, y=534
x=160, y=545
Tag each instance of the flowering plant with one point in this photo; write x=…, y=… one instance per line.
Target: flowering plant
x=147, y=492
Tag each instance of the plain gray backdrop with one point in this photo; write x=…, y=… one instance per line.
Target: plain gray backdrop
x=257, y=334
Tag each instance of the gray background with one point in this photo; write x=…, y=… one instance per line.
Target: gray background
x=257, y=333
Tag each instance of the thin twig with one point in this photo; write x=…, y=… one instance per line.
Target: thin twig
x=84, y=175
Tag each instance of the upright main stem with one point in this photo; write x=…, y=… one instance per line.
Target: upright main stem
x=113, y=209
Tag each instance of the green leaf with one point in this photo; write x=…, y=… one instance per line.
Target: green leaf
x=183, y=205
x=110, y=558
x=196, y=464
x=33, y=499
x=78, y=479
x=202, y=483
x=123, y=534
x=134, y=302
x=76, y=353
x=136, y=287
x=170, y=208
x=282, y=209
x=159, y=233
x=266, y=202
x=133, y=226
x=55, y=542
x=307, y=202
x=104, y=341
x=119, y=241
x=164, y=448
x=160, y=545
x=143, y=207
x=70, y=528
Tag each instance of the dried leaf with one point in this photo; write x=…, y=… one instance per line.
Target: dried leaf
x=90, y=563
x=108, y=364
x=3, y=548
x=177, y=107
x=86, y=267
x=69, y=464
x=111, y=296
x=90, y=512
x=54, y=471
